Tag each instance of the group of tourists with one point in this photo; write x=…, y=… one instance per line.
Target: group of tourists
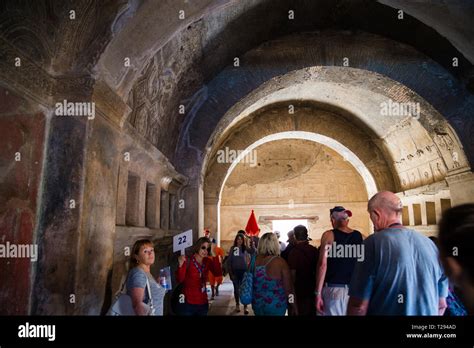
x=395, y=271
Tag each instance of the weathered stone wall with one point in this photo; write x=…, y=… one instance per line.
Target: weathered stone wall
x=75, y=226
x=163, y=88
x=155, y=179
x=423, y=206
x=293, y=178
x=273, y=59
x=115, y=215
x=21, y=165
x=181, y=62
x=97, y=230
x=47, y=55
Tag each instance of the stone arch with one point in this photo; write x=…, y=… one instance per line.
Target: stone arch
x=349, y=156
x=86, y=157
x=318, y=138
x=179, y=55
x=222, y=94
x=351, y=96
x=143, y=29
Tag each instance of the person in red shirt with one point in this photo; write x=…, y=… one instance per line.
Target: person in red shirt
x=193, y=273
x=215, y=279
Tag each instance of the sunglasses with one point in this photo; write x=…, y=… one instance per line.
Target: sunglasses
x=204, y=247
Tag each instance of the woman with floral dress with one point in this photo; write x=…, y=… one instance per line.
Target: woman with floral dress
x=272, y=287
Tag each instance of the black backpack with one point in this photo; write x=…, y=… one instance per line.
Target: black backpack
x=176, y=292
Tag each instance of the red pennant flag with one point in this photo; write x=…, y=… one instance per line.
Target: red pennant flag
x=252, y=226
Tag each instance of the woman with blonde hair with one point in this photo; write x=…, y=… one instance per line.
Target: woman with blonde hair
x=272, y=287
x=140, y=282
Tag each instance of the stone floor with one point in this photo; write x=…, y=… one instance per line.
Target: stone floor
x=224, y=304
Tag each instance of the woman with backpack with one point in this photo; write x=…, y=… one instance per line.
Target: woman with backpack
x=237, y=262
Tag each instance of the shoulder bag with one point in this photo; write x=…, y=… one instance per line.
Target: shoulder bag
x=123, y=302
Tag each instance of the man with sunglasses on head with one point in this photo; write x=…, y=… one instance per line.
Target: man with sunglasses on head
x=334, y=270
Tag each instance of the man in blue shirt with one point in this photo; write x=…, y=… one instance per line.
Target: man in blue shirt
x=401, y=273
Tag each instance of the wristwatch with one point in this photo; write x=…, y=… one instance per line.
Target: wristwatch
x=316, y=293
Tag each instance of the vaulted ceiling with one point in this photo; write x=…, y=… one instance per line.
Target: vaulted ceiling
x=181, y=53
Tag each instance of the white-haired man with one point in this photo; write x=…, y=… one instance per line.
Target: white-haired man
x=282, y=244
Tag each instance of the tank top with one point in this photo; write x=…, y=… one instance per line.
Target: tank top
x=269, y=295
x=339, y=269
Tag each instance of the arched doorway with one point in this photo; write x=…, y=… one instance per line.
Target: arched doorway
x=323, y=103
x=293, y=175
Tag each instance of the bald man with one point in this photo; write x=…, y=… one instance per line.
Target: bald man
x=401, y=273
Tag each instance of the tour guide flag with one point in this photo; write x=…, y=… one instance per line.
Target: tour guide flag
x=252, y=227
